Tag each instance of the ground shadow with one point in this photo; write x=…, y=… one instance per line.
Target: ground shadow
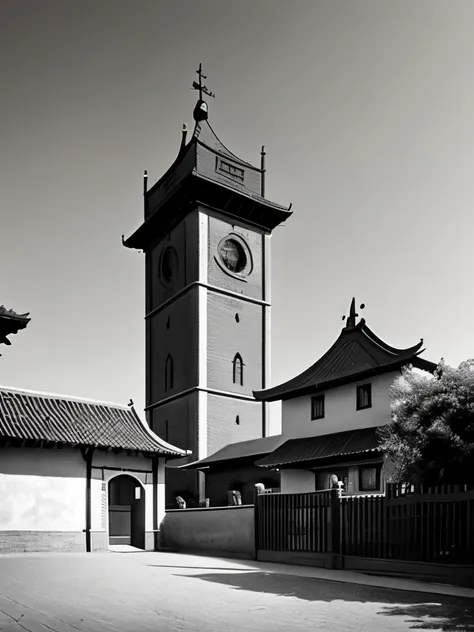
x=421, y=610
x=434, y=616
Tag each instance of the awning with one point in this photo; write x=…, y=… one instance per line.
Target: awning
x=310, y=449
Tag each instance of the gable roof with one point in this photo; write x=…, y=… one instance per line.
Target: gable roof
x=357, y=353
x=11, y=323
x=310, y=449
x=36, y=417
x=240, y=450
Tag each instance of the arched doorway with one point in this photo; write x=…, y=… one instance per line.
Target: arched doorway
x=126, y=511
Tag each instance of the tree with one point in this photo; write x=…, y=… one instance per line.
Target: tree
x=430, y=438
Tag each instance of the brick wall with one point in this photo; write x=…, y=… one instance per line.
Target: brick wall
x=252, y=285
x=222, y=428
x=226, y=337
x=174, y=331
x=41, y=541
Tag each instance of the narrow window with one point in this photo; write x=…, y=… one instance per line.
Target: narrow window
x=237, y=420
x=166, y=431
x=317, y=407
x=238, y=369
x=169, y=373
x=364, y=396
x=369, y=478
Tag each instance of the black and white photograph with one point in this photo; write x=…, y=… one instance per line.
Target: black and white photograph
x=236, y=315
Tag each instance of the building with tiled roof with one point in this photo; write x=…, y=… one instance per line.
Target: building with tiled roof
x=233, y=468
x=330, y=415
x=77, y=474
x=330, y=412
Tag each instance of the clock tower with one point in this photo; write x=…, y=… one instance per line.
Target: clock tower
x=206, y=238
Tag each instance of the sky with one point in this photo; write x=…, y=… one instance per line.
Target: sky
x=366, y=109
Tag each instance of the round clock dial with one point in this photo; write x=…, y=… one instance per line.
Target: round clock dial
x=233, y=255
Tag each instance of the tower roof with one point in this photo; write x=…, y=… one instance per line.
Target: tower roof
x=357, y=354
x=206, y=172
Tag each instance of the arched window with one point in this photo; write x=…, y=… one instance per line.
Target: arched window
x=238, y=369
x=169, y=373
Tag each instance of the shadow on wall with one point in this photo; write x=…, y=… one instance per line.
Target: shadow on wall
x=420, y=611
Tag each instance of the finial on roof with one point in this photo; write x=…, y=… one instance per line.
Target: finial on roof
x=200, y=111
x=351, y=319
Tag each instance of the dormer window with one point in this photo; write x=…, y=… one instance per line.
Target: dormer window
x=238, y=369
x=364, y=396
x=317, y=407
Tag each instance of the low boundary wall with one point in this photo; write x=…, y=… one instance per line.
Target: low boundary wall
x=227, y=531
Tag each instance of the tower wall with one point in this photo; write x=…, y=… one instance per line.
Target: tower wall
x=183, y=239
x=227, y=337
x=174, y=333
x=222, y=428
x=251, y=285
x=177, y=423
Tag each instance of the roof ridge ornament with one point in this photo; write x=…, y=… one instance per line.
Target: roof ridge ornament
x=201, y=111
x=351, y=319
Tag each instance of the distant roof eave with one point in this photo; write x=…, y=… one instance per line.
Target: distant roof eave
x=278, y=393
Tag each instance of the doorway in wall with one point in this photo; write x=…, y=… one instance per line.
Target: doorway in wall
x=126, y=511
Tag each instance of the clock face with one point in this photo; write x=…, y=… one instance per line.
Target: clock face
x=233, y=255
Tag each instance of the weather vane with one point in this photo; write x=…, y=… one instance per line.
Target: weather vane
x=200, y=86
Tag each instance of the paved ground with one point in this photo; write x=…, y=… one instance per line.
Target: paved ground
x=160, y=592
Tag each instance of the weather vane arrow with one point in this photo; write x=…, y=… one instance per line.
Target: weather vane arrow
x=200, y=86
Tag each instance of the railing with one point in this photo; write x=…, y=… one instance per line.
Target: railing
x=430, y=524
x=298, y=522
x=407, y=523
x=363, y=526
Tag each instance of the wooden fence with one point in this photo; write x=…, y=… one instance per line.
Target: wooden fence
x=298, y=522
x=407, y=523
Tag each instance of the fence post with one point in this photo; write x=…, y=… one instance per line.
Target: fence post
x=255, y=519
x=334, y=527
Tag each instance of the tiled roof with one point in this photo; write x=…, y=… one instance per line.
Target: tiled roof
x=11, y=323
x=310, y=449
x=357, y=353
x=32, y=416
x=241, y=450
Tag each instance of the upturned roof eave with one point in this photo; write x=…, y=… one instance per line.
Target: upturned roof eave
x=302, y=384
x=140, y=236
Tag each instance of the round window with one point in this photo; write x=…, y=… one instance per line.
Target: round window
x=233, y=255
x=168, y=264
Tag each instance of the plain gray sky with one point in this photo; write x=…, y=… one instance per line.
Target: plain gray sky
x=366, y=108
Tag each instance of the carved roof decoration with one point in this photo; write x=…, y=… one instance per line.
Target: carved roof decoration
x=357, y=354
x=33, y=418
x=11, y=323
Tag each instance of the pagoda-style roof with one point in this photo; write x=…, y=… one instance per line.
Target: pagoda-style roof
x=357, y=354
x=42, y=419
x=11, y=323
x=206, y=173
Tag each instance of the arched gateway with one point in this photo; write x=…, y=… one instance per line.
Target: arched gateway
x=126, y=511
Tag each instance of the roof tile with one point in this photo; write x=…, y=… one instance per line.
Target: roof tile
x=38, y=416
